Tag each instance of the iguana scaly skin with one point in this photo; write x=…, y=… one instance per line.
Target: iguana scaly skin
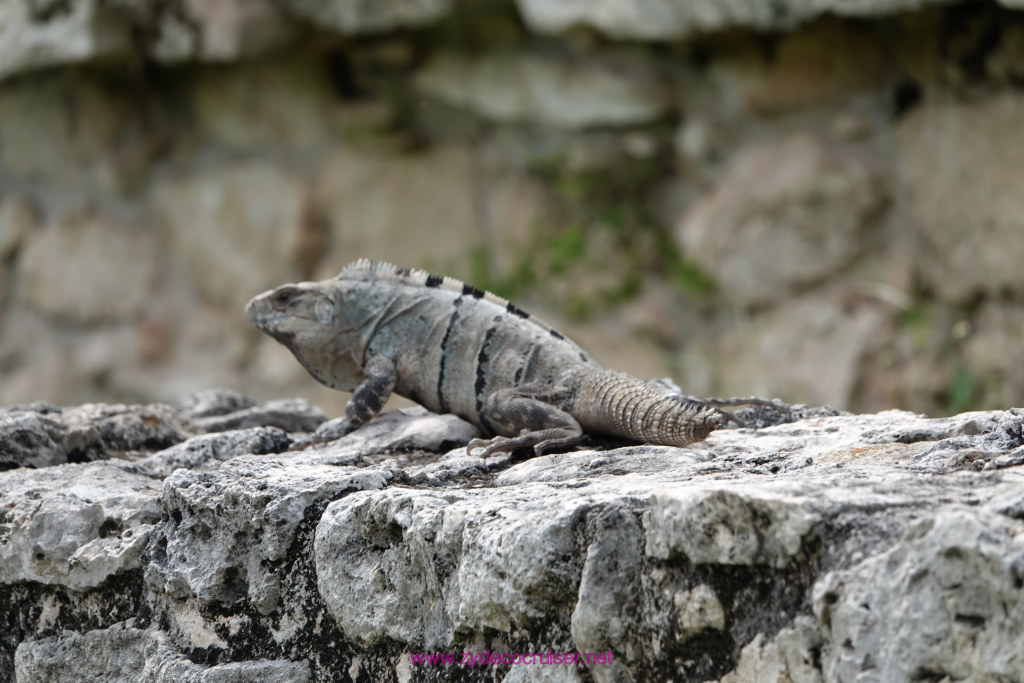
x=377, y=329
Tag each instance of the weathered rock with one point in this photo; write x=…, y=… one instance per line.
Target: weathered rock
x=83, y=288
x=253, y=211
x=225, y=536
x=205, y=452
x=810, y=66
x=39, y=435
x=17, y=220
x=277, y=103
x=798, y=208
x=34, y=36
x=836, y=547
x=81, y=136
x=524, y=88
x=30, y=438
x=438, y=213
x=291, y=415
x=219, y=32
x=943, y=602
x=357, y=18
x=995, y=328
x=212, y=403
x=74, y=525
x=669, y=19
x=824, y=342
x=727, y=527
x=122, y=653
x=957, y=163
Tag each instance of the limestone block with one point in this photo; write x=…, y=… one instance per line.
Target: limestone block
x=958, y=164
x=225, y=536
x=997, y=373
x=122, y=654
x=726, y=527
x=369, y=17
x=276, y=103
x=672, y=19
x=820, y=548
x=821, y=345
x=408, y=535
x=74, y=525
x=607, y=615
x=410, y=210
x=521, y=88
x=791, y=656
x=944, y=602
x=32, y=37
x=807, y=67
x=17, y=220
x=222, y=31
x=79, y=134
x=87, y=269
x=786, y=214
x=234, y=229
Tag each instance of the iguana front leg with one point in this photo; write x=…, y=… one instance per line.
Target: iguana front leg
x=369, y=397
x=536, y=424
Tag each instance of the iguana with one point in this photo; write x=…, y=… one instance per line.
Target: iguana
x=377, y=329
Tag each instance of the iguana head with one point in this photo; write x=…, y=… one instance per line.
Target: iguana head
x=305, y=318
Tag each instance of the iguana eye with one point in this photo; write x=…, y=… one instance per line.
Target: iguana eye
x=283, y=297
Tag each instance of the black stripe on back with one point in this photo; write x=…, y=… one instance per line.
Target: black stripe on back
x=557, y=335
x=441, y=400
x=483, y=360
x=517, y=311
x=403, y=272
x=434, y=281
x=470, y=290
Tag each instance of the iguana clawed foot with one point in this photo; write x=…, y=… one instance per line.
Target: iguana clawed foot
x=541, y=442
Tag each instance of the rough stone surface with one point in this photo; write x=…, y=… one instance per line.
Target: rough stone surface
x=194, y=153
x=448, y=198
x=835, y=547
x=125, y=654
x=84, y=289
x=74, y=525
x=16, y=221
x=219, y=31
x=39, y=434
x=523, y=88
x=825, y=344
x=957, y=162
x=797, y=206
x=369, y=17
x=666, y=19
x=253, y=212
x=32, y=37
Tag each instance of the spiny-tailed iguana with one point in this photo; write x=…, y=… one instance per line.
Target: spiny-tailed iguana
x=377, y=329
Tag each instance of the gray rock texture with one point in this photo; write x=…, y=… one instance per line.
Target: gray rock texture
x=666, y=19
x=835, y=547
x=658, y=179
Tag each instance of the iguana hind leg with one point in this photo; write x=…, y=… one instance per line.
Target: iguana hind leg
x=525, y=421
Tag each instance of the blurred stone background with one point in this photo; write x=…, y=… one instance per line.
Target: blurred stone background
x=820, y=201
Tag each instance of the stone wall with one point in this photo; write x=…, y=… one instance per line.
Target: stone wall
x=817, y=201
x=190, y=542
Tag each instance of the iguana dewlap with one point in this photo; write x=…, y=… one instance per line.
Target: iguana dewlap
x=377, y=329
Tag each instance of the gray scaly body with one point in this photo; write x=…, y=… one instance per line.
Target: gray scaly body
x=377, y=329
